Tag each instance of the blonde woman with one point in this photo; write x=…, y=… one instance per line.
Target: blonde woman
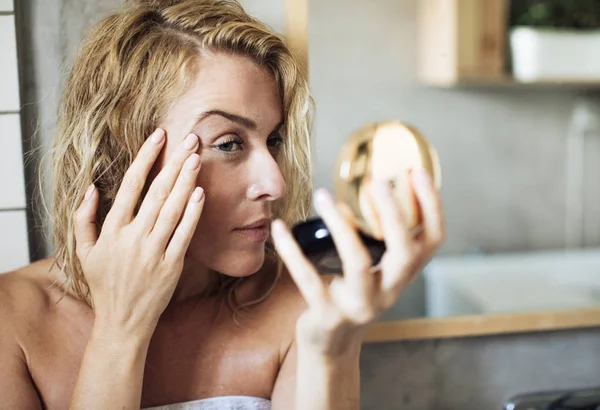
x=181, y=157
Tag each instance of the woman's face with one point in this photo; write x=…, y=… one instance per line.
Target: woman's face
x=234, y=108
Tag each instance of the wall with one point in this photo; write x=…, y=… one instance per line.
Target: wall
x=476, y=373
x=502, y=150
x=49, y=32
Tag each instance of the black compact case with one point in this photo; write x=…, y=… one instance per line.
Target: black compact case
x=316, y=242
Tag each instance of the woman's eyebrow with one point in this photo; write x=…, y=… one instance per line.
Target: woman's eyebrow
x=238, y=119
x=235, y=118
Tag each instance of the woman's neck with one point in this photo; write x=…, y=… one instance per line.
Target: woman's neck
x=196, y=281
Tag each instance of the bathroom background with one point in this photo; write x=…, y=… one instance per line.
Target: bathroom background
x=504, y=160
x=503, y=149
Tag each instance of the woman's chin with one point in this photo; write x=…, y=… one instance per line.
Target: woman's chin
x=240, y=264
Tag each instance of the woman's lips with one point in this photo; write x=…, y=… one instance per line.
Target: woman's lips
x=256, y=235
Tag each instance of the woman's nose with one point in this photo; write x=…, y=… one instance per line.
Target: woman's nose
x=267, y=183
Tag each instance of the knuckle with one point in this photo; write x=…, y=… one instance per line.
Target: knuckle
x=160, y=193
x=170, y=217
x=133, y=183
x=129, y=238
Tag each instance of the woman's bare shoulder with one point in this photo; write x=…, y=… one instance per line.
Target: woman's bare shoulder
x=25, y=293
x=23, y=306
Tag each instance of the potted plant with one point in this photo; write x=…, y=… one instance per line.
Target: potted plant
x=555, y=40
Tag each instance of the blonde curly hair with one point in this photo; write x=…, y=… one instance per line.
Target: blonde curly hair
x=129, y=69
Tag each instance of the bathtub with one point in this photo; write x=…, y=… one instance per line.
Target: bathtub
x=505, y=283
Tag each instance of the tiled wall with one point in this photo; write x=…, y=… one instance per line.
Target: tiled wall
x=14, y=246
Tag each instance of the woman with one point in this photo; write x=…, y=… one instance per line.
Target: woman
x=188, y=123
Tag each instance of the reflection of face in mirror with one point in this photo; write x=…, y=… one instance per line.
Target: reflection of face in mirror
x=386, y=151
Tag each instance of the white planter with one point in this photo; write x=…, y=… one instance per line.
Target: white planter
x=555, y=55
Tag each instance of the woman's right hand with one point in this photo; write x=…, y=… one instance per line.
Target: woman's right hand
x=133, y=266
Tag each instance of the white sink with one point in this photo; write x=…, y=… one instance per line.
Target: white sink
x=520, y=282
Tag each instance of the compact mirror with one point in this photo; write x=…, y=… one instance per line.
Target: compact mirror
x=388, y=151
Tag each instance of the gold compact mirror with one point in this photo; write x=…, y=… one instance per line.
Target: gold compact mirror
x=386, y=151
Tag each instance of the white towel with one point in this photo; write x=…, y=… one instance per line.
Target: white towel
x=220, y=403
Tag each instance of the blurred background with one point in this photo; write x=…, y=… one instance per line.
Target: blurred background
x=505, y=90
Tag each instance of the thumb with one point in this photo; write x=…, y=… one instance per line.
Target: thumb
x=86, y=233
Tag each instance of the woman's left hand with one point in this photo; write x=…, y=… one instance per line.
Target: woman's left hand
x=339, y=312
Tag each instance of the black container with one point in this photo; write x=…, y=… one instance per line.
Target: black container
x=317, y=244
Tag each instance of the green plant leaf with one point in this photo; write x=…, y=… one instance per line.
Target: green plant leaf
x=570, y=14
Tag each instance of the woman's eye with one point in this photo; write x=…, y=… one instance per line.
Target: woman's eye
x=230, y=146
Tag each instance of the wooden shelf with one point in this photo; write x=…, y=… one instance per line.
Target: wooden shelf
x=464, y=43
x=485, y=325
x=461, y=39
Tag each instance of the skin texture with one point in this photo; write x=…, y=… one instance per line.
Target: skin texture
x=150, y=331
x=241, y=179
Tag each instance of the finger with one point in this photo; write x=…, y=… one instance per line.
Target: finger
x=401, y=251
x=86, y=232
x=171, y=212
x=301, y=270
x=431, y=205
x=134, y=180
x=161, y=187
x=182, y=236
x=356, y=260
x=347, y=214
x=395, y=231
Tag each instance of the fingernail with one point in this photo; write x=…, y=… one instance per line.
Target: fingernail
x=158, y=136
x=193, y=162
x=190, y=142
x=197, y=195
x=323, y=197
x=89, y=192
